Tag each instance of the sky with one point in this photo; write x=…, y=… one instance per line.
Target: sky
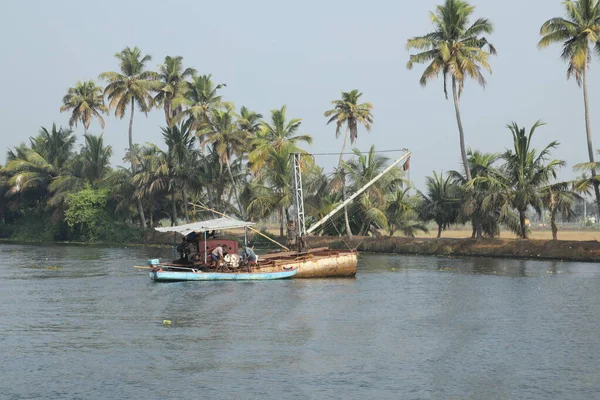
x=303, y=55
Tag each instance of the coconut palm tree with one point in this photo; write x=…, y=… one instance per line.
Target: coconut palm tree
x=199, y=98
x=172, y=78
x=559, y=198
x=441, y=203
x=279, y=136
x=455, y=49
x=181, y=155
x=55, y=146
x=273, y=192
x=484, y=220
x=577, y=32
x=85, y=101
x=225, y=137
x=131, y=87
x=524, y=173
x=402, y=214
x=249, y=121
x=348, y=112
x=95, y=158
x=372, y=203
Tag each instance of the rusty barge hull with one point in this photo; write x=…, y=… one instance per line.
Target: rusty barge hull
x=316, y=263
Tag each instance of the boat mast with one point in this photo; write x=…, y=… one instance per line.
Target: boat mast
x=358, y=193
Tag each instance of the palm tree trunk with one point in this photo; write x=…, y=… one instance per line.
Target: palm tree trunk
x=553, y=224
x=173, y=208
x=185, y=204
x=237, y=197
x=439, y=235
x=133, y=160
x=463, y=152
x=588, y=132
x=346, y=220
x=523, y=226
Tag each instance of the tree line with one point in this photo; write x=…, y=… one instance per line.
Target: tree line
x=239, y=162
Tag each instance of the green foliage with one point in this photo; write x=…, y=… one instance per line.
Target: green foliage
x=86, y=212
x=38, y=227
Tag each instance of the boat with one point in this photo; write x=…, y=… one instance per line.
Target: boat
x=305, y=262
x=159, y=275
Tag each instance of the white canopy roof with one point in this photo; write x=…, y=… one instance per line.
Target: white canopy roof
x=210, y=225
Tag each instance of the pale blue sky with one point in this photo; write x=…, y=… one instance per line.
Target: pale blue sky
x=301, y=54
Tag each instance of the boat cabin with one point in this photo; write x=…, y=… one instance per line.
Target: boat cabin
x=199, y=239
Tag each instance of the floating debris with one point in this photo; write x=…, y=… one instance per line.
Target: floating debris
x=167, y=322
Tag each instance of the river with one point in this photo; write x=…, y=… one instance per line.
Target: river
x=79, y=322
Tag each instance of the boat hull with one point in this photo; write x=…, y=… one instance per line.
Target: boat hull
x=174, y=276
x=321, y=264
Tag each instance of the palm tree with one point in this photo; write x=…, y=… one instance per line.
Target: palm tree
x=350, y=113
x=441, y=203
x=273, y=192
x=172, y=78
x=578, y=32
x=454, y=49
x=525, y=172
x=85, y=101
x=559, y=198
x=133, y=85
x=402, y=215
x=280, y=136
x=227, y=140
x=484, y=220
x=199, y=98
x=180, y=144
x=249, y=121
x=372, y=203
x=95, y=158
x=271, y=158
x=30, y=171
x=55, y=146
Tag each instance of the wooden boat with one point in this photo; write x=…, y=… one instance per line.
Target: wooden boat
x=169, y=275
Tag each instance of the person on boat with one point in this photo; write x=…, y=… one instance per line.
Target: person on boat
x=248, y=255
x=184, y=250
x=217, y=255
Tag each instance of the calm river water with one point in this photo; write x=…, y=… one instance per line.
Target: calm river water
x=78, y=322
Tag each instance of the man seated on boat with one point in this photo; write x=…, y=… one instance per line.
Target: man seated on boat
x=217, y=255
x=249, y=256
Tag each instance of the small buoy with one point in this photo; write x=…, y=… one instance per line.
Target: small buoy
x=167, y=322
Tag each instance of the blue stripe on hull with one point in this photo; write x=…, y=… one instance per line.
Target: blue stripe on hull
x=165, y=276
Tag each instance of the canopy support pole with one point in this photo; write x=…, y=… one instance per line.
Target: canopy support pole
x=205, y=255
x=174, y=244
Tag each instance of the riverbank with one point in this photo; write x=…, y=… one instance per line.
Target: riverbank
x=564, y=250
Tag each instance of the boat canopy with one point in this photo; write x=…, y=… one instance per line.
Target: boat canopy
x=218, y=224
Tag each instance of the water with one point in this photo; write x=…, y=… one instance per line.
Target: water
x=78, y=322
